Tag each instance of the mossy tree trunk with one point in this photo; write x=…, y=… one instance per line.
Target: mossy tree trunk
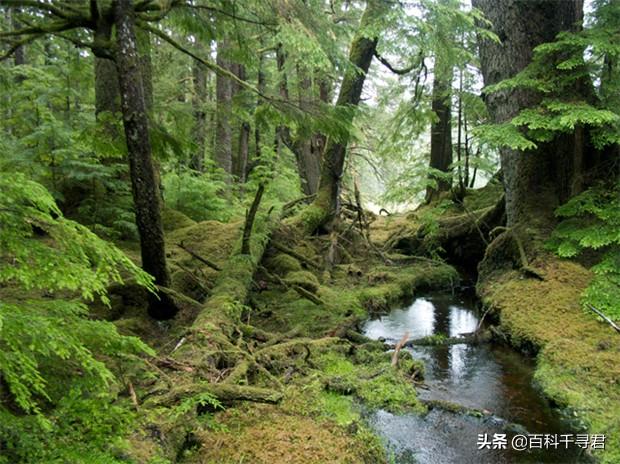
x=326, y=207
x=535, y=177
x=144, y=183
x=441, y=133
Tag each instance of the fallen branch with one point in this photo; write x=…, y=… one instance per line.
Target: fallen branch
x=399, y=347
x=299, y=289
x=249, y=220
x=294, y=254
x=604, y=317
x=433, y=340
x=203, y=260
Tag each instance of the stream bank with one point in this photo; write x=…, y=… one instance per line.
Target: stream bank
x=470, y=389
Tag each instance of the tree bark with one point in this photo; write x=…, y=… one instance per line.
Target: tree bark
x=19, y=55
x=529, y=177
x=326, y=207
x=107, y=95
x=199, y=98
x=223, y=96
x=144, y=184
x=243, y=147
x=308, y=157
x=441, y=132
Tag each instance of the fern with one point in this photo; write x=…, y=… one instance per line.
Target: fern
x=51, y=354
x=591, y=221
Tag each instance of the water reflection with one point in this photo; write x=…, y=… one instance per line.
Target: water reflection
x=482, y=377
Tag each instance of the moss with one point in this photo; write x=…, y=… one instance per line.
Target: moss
x=304, y=279
x=188, y=285
x=266, y=434
x=572, y=368
x=172, y=220
x=282, y=264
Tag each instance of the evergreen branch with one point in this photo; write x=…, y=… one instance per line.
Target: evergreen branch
x=13, y=48
x=43, y=6
x=230, y=15
x=54, y=27
x=401, y=71
x=214, y=67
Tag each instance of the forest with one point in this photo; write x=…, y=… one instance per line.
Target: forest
x=309, y=231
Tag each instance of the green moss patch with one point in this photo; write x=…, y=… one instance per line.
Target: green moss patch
x=579, y=357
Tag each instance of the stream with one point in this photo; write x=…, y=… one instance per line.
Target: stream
x=485, y=377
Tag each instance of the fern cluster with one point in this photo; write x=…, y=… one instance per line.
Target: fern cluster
x=591, y=221
x=55, y=361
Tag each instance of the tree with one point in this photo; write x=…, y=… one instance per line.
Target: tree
x=326, y=207
x=199, y=99
x=441, y=134
x=144, y=183
x=223, y=96
x=531, y=174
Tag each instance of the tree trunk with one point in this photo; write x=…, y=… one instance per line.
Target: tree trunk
x=282, y=132
x=243, y=147
x=326, y=207
x=223, y=96
x=441, y=133
x=19, y=55
x=199, y=98
x=308, y=158
x=107, y=95
x=532, y=178
x=143, y=179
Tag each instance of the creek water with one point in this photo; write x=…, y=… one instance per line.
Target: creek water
x=485, y=377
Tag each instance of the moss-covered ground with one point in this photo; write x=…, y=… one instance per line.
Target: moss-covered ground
x=578, y=364
x=324, y=386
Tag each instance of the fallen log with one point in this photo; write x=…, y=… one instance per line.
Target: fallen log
x=434, y=340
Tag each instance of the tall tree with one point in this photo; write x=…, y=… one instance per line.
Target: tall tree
x=144, y=183
x=441, y=132
x=521, y=26
x=326, y=206
x=223, y=96
x=199, y=100
x=309, y=154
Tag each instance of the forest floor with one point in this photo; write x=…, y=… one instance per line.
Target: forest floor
x=327, y=372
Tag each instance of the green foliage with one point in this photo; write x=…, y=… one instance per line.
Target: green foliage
x=201, y=400
x=591, y=221
x=561, y=72
x=54, y=360
x=199, y=196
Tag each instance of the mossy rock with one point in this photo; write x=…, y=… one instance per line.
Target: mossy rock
x=282, y=264
x=304, y=279
x=172, y=219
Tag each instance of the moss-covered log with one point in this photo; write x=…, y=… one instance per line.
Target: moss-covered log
x=326, y=205
x=463, y=237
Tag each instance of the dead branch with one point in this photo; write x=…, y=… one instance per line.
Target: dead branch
x=249, y=220
x=203, y=260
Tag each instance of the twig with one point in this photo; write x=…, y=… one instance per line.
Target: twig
x=605, y=318
x=399, y=346
x=294, y=254
x=249, y=220
x=132, y=395
x=211, y=264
